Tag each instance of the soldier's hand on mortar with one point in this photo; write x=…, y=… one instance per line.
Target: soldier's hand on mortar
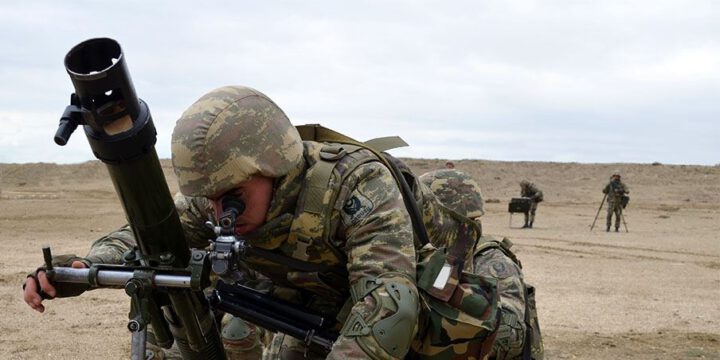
x=38, y=288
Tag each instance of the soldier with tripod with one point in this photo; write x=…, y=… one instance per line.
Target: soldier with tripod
x=616, y=192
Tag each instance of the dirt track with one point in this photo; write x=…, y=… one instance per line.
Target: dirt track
x=651, y=293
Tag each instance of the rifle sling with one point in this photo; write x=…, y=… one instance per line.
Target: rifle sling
x=293, y=263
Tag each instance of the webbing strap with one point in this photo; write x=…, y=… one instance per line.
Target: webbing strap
x=295, y=264
x=386, y=143
x=503, y=245
x=319, y=175
x=409, y=200
x=319, y=133
x=527, y=345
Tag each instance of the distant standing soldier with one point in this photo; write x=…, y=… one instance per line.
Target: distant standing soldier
x=529, y=190
x=615, y=191
x=449, y=165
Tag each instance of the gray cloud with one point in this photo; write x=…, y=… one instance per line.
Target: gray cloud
x=580, y=81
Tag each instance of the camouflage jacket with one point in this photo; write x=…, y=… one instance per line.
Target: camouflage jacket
x=615, y=190
x=531, y=191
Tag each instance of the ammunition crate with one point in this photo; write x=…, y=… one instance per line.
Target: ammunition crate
x=519, y=205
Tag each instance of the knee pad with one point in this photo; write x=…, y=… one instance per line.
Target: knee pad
x=384, y=317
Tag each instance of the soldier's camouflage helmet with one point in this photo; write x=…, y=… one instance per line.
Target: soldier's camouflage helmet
x=229, y=135
x=456, y=190
x=524, y=183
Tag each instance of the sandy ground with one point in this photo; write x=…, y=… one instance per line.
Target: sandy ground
x=650, y=293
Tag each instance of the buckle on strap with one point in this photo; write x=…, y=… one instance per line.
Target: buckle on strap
x=332, y=152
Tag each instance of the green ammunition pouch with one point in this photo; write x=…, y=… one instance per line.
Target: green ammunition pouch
x=460, y=314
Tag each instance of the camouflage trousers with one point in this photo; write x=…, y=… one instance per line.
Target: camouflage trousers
x=614, y=207
x=530, y=214
x=512, y=333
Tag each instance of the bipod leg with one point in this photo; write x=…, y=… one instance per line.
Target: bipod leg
x=598, y=212
x=137, y=347
x=622, y=217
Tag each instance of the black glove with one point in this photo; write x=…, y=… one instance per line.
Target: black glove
x=62, y=289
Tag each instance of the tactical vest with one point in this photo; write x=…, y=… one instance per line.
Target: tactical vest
x=304, y=260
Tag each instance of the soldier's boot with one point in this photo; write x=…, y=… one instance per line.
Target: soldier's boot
x=530, y=224
x=607, y=229
x=525, y=226
x=617, y=229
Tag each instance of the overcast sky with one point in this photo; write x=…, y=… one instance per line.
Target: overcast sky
x=583, y=81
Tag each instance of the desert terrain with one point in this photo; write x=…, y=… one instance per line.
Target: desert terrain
x=650, y=293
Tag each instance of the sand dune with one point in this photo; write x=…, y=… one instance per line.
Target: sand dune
x=650, y=293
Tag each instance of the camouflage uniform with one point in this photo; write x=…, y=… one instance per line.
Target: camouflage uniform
x=366, y=236
x=529, y=190
x=370, y=237
x=615, y=190
x=493, y=258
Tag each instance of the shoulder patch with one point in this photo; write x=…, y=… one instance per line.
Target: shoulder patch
x=501, y=266
x=356, y=207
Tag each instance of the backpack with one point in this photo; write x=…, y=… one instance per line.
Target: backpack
x=459, y=310
x=624, y=200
